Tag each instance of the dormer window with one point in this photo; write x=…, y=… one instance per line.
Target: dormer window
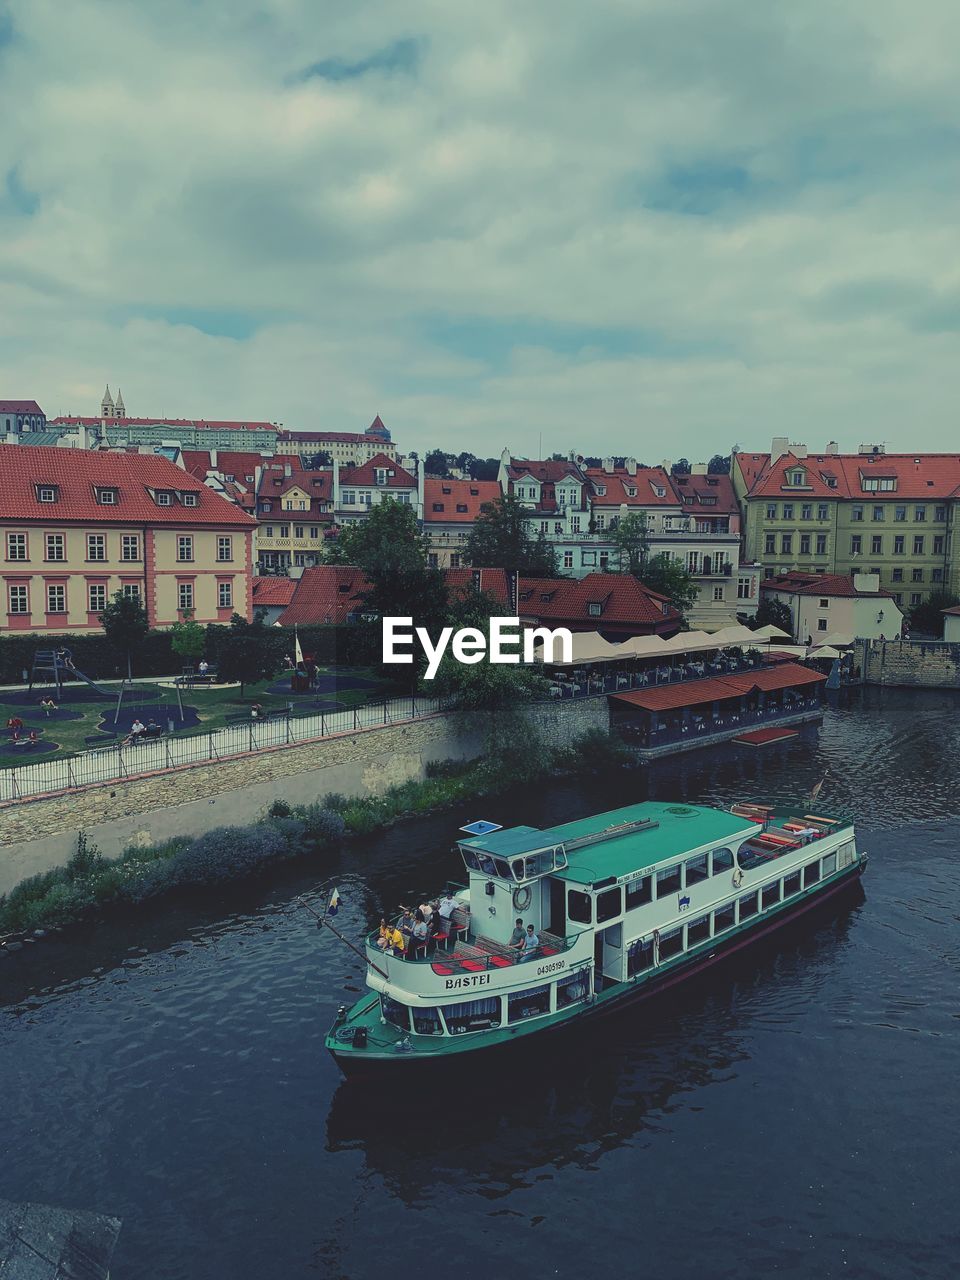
x=461, y=507
x=381, y=475
x=797, y=478
x=46, y=493
x=594, y=609
x=164, y=498
x=189, y=499
x=630, y=491
x=601, y=490
x=107, y=497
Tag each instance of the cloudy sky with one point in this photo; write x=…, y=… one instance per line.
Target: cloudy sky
x=631, y=226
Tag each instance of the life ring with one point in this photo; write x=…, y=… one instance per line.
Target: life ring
x=737, y=878
x=522, y=897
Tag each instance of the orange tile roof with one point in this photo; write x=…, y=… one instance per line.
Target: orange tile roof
x=919, y=477
x=451, y=494
x=77, y=473
x=646, y=482
x=271, y=592
x=366, y=474
x=229, y=463
x=817, y=584
x=623, y=602
x=670, y=697
x=71, y=420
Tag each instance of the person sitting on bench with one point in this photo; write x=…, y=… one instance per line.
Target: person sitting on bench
x=152, y=730
x=518, y=936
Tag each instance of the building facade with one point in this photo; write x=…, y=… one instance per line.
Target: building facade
x=346, y=447
x=20, y=416
x=836, y=606
x=450, y=510
x=115, y=428
x=78, y=526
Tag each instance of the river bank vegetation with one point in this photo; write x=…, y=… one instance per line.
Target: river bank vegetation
x=91, y=884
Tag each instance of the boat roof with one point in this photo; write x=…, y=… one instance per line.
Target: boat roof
x=679, y=830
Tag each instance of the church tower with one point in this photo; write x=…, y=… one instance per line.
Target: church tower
x=107, y=407
x=119, y=406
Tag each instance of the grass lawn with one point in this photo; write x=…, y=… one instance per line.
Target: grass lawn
x=214, y=707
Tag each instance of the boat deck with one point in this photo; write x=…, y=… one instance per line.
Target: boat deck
x=484, y=953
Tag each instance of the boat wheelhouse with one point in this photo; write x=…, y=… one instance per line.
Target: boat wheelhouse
x=622, y=905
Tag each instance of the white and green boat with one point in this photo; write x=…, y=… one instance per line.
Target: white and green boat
x=623, y=905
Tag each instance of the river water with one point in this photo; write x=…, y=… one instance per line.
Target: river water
x=794, y=1113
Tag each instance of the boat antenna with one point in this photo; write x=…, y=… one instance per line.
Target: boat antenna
x=323, y=922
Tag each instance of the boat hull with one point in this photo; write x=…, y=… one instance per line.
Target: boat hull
x=419, y=1065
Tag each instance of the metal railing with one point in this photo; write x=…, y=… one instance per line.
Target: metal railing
x=115, y=762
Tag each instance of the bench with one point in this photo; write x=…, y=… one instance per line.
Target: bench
x=101, y=739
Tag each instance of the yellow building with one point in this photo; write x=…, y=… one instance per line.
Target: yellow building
x=77, y=526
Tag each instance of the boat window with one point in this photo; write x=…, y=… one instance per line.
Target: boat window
x=722, y=860
x=668, y=881
x=846, y=853
x=471, y=859
x=609, y=904
x=770, y=894
x=748, y=858
x=811, y=873
x=503, y=869
x=698, y=931
x=518, y=868
x=472, y=1015
x=573, y=987
x=671, y=944
x=528, y=1004
x=723, y=918
x=696, y=869
x=426, y=1022
x=829, y=864
x=395, y=1012
x=639, y=892
x=748, y=905
x=579, y=907
x=640, y=956
x=561, y=858
x=485, y=864
x=791, y=884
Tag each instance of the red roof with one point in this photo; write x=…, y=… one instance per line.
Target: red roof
x=818, y=584
x=451, y=494
x=707, y=495
x=491, y=582
x=329, y=437
x=272, y=592
x=624, y=603
x=20, y=406
x=366, y=474
x=70, y=420
x=77, y=473
x=646, y=483
x=954, y=611
x=549, y=471
x=669, y=697
x=917, y=477
x=325, y=594
x=229, y=463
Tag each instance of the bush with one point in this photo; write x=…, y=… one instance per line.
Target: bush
x=226, y=853
x=279, y=809
x=322, y=825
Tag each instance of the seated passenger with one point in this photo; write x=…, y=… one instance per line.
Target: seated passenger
x=518, y=936
x=531, y=944
x=385, y=935
x=398, y=942
x=406, y=920
x=420, y=931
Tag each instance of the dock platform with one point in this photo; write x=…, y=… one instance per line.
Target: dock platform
x=764, y=737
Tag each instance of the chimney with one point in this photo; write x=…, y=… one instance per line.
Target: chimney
x=666, y=464
x=832, y=448
x=866, y=582
x=779, y=447
x=698, y=469
x=608, y=466
x=631, y=466
x=798, y=450
x=287, y=470
x=335, y=488
x=213, y=459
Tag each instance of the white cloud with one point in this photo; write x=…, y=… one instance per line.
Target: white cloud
x=668, y=225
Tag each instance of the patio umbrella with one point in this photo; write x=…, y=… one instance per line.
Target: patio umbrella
x=770, y=632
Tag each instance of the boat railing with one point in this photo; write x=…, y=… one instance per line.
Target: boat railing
x=449, y=956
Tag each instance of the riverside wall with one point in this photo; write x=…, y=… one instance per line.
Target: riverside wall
x=36, y=835
x=920, y=664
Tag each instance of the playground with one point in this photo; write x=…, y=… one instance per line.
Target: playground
x=80, y=713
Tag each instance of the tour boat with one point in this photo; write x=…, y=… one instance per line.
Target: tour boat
x=623, y=905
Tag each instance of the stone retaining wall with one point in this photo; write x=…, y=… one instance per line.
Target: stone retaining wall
x=933, y=664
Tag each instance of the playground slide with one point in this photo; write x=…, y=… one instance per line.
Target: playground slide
x=86, y=680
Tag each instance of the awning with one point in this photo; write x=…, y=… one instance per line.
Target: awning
x=838, y=639
x=667, y=697
x=770, y=632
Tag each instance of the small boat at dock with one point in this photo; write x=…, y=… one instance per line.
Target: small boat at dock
x=622, y=905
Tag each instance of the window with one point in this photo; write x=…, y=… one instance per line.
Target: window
x=55, y=546
x=185, y=547
x=96, y=546
x=671, y=944
x=938, y=545
x=593, y=609
x=269, y=531
x=915, y=599
x=916, y=575
x=698, y=931
x=876, y=545
x=668, y=881
x=130, y=547
x=856, y=513
x=46, y=493
x=96, y=597
x=568, y=559
x=821, y=544
x=898, y=598
x=298, y=530
x=639, y=956
x=107, y=497
x=426, y=1022
x=823, y=511
x=609, y=904
x=770, y=895
x=18, y=600
x=314, y=531
x=856, y=544
x=164, y=498
x=743, y=588
x=770, y=544
x=131, y=590
x=791, y=884
x=433, y=560
x=804, y=544
x=528, y=1004
x=806, y=511
x=936, y=575
x=349, y=497
x=225, y=595
x=748, y=858
x=788, y=511
x=184, y=596
x=899, y=544
x=940, y=514
x=722, y=861
x=920, y=514
x=918, y=544
x=829, y=863
x=579, y=907
x=225, y=548
x=899, y=514
x=878, y=513
x=811, y=873
x=786, y=543
x=16, y=546
x=771, y=511
x=395, y=1012
x=56, y=598
x=639, y=892
x=724, y=918
x=898, y=575
x=696, y=870
x=284, y=531
x=821, y=624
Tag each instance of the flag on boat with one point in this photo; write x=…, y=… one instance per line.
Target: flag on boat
x=297, y=651
x=334, y=906
x=816, y=790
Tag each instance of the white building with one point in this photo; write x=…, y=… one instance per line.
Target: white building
x=823, y=605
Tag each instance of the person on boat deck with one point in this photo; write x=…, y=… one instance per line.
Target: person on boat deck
x=448, y=905
x=427, y=909
x=518, y=936
x=420, y=931
x=385, y=938
x=531, y=942
x=406, y=920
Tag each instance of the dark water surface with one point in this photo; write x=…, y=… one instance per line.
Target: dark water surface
x=795, y=1113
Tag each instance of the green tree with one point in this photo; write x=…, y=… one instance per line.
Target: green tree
x=719, y=465
x=772, y=613
x=314, y=461
x=484, y=468
x=437, y=463
x=672, y=579
x=188, y=638
x=500, y=539
x=630, y=536
x=125, y=624
x=249, y=652
x=681, y=467
x=928, y=615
